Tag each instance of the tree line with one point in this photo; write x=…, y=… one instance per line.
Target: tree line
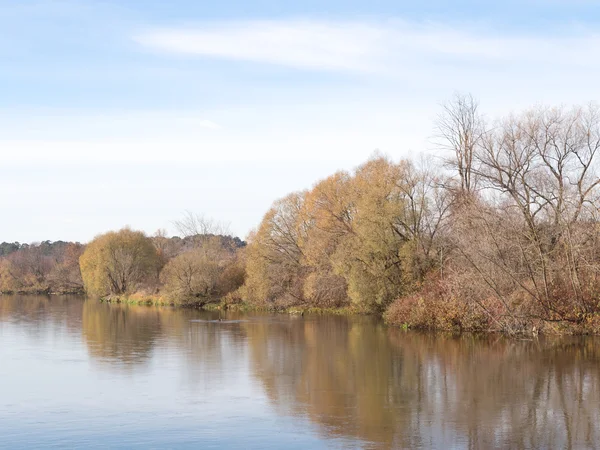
x=196, y=268
x=501, y=234
x=45, y=267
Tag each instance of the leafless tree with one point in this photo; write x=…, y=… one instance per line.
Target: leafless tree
x=459, y=129
x=534, y=233
x=192, y=224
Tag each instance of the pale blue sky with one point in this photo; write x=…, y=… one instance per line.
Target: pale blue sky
x=129, y=112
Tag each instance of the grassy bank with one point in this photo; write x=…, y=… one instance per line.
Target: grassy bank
x=220, y=305
x=415, y=313
x=46, y=291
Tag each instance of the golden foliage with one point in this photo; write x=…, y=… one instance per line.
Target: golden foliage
x=117, y=262
x=8, y=282
x=345, y=240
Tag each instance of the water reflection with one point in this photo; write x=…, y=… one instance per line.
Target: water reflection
x=209, y=349
x=38, y=313
x=504, y=393
x=334, y=377
x=339, y=372
x=120, y=333
x=408, y=390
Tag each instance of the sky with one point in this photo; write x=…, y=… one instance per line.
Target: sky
x=131, y=112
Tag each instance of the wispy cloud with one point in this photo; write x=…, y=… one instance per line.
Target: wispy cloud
x=307, y=44
x=367, y=45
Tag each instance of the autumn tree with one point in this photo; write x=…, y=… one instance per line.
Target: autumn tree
x=398, y=212
x=65, y=275
x=32, y=265
x=361, y=238
x=274, y=257
x=328, y=222
x=8, y=281
x=118, y=262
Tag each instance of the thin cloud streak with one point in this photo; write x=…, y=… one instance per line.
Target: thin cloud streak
x=366, y=46
x=303, y=44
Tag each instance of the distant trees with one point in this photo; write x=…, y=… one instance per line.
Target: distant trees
x=40, y=267
x=193, y=270
x=118, y=262
x=65, y=275
x=191, y=225
x=127, y=262
x=6, y=248
x=8, y=280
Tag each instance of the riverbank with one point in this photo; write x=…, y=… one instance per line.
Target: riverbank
x=47, y=291
x=219, y=305
x=451, y=317
x=421, y=315
x=441, y=313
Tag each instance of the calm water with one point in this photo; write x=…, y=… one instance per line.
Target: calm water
x=77, y=373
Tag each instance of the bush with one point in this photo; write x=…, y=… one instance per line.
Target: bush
x=202, y=274
x=434, y=308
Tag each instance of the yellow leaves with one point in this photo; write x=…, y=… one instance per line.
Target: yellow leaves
x=339, y=242
x=117, y=261
x=8, y=282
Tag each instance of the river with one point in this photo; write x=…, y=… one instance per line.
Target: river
x=77, y=373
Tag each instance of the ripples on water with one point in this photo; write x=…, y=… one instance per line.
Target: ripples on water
x=86, y=374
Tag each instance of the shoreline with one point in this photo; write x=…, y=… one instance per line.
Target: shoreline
x=558, y=329
x=217, y=305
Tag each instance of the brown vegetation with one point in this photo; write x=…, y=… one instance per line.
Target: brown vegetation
x=509, y=241
x=195, y=270
x=118, y=263
x=505, y=236
x=128, y=265
x=203, y=274
x=360, y=239
x=47, y=267
x=525, y=250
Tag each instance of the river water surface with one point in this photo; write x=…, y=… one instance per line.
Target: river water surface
x=77, y=373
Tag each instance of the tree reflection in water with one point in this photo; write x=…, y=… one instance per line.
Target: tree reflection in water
x=396, y=389
x=39, y=314
x=120, y=333
x=353, y=378
x=128, y=336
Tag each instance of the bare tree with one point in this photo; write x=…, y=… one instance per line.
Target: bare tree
x=192, y=224
x=536, y=229
x=459, y=129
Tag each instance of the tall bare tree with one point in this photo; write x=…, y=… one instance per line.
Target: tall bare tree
x=459, y=129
